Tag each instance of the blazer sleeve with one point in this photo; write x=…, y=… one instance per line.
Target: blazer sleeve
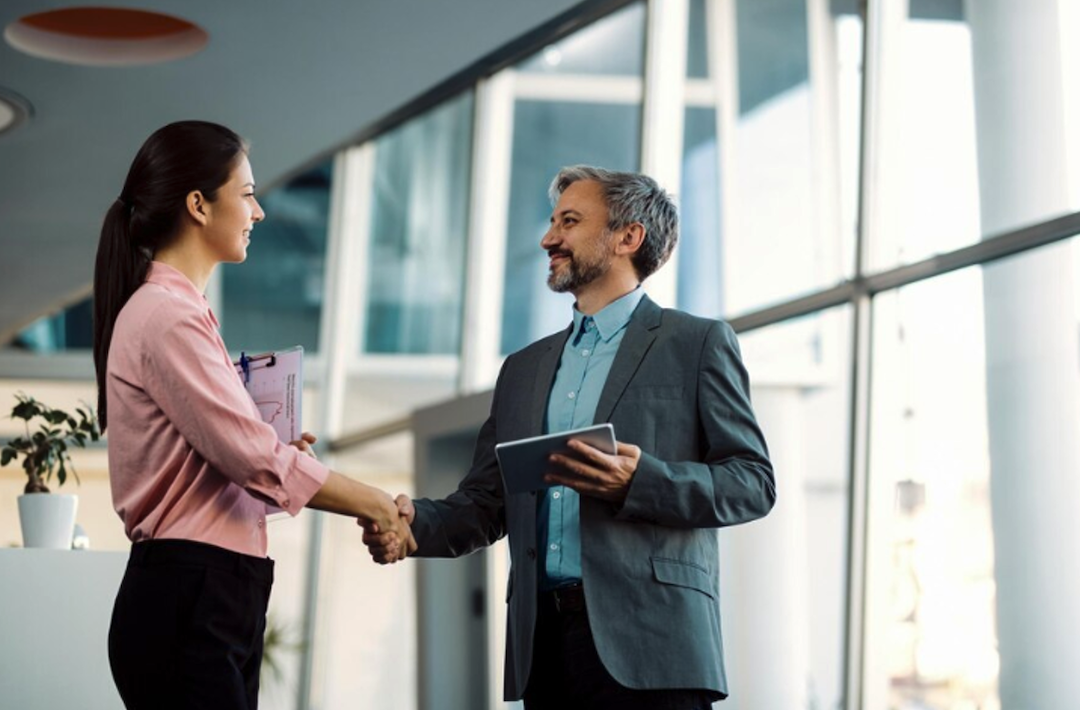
x=733, y=482
x=474, y=515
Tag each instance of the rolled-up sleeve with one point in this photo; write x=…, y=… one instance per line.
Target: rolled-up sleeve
x=191, y=378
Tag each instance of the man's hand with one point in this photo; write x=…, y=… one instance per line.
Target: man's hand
x=591, y=472
x=386, y=546
x=304, y=443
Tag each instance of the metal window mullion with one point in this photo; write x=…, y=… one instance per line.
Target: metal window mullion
x=869, y=209
x=489, y=206
x=858, y=498
x=662, y=117
x=581, y=88
x=341, y=320
x=723, y=62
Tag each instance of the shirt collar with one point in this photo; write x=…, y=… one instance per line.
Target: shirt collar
x=175, y=282
x=614, y=316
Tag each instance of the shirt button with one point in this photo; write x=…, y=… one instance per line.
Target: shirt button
x=531, y=553
x=585, y=353
x=554, y=546
x=571, y=395
x=556, y=495
x=285, y=503
x=261, y=521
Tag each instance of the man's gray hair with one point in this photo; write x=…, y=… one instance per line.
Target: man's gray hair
x=631, y=197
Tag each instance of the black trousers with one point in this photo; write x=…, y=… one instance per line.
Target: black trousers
x=187, y=627
x=567, y=673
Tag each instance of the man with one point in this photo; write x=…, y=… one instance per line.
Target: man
x=613, y=589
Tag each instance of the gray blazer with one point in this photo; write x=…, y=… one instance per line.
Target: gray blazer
x=677, y=389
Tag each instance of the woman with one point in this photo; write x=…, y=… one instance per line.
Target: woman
x=192, y=466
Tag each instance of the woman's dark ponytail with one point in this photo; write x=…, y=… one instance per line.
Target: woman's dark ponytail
x=120, y=268
x=174, y=161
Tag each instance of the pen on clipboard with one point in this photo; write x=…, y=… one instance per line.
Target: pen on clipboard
x=246, y=366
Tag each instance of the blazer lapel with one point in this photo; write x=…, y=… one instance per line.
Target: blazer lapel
x=548, y=363
x=637, y=341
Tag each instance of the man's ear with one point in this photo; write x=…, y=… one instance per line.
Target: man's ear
x=630, y=238
x=197, y=207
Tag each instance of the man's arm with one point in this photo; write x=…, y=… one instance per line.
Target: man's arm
x=471, y=517
x=733, y=483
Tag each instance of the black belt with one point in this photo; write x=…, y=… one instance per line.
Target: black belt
x=567, y=600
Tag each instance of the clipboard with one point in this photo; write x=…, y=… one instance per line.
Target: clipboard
x=275, y=381
x=524, y=462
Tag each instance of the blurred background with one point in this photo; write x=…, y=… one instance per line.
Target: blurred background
x=881, y=197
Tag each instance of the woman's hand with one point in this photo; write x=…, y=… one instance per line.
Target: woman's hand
x=304, y=443
x=373, y=508
x=385, y=547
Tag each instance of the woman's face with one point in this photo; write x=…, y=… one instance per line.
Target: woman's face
x=233, y=214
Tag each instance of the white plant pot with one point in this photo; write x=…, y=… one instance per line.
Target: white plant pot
x=48, y=519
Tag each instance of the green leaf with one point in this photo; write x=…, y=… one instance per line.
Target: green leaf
x=7, y=456
x=55, y=416
x=24, y=410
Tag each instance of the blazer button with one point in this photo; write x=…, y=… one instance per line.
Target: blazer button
x=531, y=553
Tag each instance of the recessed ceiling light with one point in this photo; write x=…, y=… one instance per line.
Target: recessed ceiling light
x=14, y=109
x=105, y=36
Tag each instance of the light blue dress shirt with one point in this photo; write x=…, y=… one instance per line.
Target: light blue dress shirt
x=583, y=369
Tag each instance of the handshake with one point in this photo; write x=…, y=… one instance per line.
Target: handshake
x=390, y=539
x=385, y=521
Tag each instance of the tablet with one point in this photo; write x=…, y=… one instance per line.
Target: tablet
x=524, y=462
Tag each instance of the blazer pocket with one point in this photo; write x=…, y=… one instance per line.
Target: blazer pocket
x=645, y=393
x=684, y=574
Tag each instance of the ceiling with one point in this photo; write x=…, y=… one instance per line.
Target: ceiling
x=297, y=79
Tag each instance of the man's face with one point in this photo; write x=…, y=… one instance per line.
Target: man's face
x=578, y=242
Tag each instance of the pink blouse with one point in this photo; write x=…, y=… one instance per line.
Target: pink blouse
x=189, y=457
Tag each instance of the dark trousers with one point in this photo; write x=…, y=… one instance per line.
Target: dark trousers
x=187, y=627
x=567, y=673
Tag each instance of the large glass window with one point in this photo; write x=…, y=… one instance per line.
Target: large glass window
x=974, y=483
x=783, y=579
x=566, y=119
x=770, y=157
x=71, y=329
x=419, y=219
x=274, y=299
x=928, y=170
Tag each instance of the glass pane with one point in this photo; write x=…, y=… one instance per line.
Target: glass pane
x=71, y=329
x=547, y=137
x=774, y=217
x=697, y=53
x=975, y=479
x=700, y=258
x=613, y=45
x=274, y=299
x=784, y=619
x=929, y=177
x=364, y=644
x=419, y=216
x=973, y=141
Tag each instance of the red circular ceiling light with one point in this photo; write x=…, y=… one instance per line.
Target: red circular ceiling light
x=105, y=36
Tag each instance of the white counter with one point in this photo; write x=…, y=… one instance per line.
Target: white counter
x=55, y=607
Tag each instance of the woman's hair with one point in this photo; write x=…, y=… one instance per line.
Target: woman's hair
x=177, y=159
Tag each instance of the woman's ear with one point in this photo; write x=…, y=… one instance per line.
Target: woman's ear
x=197, y=207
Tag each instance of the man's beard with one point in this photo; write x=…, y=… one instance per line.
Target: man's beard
x=582, y=270
x=578, y=273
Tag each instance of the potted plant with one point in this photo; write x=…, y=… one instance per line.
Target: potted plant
x=48, y=520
